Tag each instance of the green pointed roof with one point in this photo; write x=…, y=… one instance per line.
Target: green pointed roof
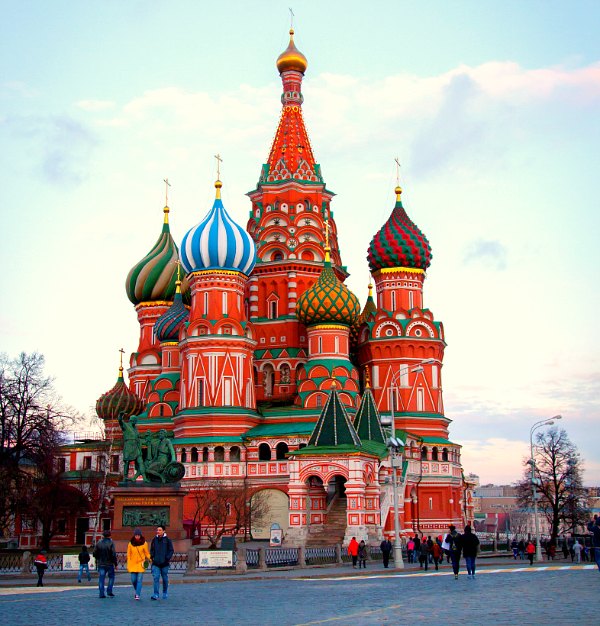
x=334, y=427
x=367, y=422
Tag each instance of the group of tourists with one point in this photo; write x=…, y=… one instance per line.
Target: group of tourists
x=428, y=550
x=139, y=558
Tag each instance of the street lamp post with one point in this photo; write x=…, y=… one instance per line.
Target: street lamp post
x=534, y=482
x=396, y=461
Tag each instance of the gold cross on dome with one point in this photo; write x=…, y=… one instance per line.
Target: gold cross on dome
x=291, y=18
x=219, y=161
x=122, y=353
x=167, y=185
x=397, y=171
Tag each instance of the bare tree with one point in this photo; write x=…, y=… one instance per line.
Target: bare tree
x=227, y=507
x=31, y=418
x=53, y=498
x=558, y=470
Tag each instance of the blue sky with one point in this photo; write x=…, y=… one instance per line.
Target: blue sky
x=492, y=108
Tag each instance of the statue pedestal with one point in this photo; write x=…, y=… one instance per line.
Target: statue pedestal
x=146, y=506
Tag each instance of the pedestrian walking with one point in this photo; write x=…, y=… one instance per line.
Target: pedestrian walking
x=424, y=555
x=437, y=554
x=161, y=552
x=138, y=559
x=530, y=551
x=470, y=546
x=84, y=563
x=522, y=547
x=410, y=550
x=353, y=551
x=41, y=565
x=565, y=548
x=514, y=546
x=454, y=541
x=106, y=562
x=594, y=528
x=386, y=549
x=577, y=548
x=362, y=554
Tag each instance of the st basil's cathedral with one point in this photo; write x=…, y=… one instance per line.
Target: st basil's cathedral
x=259, y=362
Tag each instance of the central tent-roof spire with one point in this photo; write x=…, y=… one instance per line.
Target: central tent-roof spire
x=291, y=155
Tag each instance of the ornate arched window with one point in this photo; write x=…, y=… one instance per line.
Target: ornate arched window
x=264, y=452
x=219, y=454
x=281, y=450
x=194, y=455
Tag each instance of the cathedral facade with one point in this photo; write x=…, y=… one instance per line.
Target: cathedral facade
x=265, y=370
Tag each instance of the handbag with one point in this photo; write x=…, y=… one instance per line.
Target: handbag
x=146, y=562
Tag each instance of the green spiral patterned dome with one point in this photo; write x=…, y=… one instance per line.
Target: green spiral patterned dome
x=119, y=400
x=153, y=278
x=328, y=301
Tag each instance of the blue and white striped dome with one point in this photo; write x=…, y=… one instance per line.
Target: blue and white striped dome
x=217, y=242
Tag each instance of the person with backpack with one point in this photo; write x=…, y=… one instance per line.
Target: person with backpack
x=454, y=541
x=41, y=565
x=470, y=545
x=84, y=563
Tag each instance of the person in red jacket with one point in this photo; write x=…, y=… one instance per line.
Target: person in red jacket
x=530, y=550
x=41, y=565
x=353, y=551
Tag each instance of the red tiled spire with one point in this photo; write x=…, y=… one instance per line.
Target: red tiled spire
x=291, y=155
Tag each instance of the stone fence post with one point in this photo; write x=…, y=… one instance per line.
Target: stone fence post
x=192, y=559
x=26, y=563
x=302, y=556
x=241, y=565
x=338, y=553
x=262, y=563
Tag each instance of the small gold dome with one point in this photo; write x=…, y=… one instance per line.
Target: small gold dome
x=291, y=58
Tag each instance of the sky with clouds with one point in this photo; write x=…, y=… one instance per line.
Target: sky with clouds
x=492, y=109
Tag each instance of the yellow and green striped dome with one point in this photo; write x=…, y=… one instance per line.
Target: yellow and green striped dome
x=328, y=301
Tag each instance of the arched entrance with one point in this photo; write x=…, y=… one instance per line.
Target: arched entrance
x=326, y=502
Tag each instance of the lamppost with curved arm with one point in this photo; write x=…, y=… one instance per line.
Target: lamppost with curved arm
x=535, y=481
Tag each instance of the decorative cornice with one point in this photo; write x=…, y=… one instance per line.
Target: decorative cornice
x=392, y=270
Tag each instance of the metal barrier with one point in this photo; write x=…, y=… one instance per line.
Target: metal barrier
x=320, y=556
x=252, y=558
x=11, y=563
x=278, y=557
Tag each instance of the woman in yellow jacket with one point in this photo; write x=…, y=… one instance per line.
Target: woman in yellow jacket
x=138, y=556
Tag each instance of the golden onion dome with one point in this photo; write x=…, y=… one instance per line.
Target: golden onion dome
x=291, y=58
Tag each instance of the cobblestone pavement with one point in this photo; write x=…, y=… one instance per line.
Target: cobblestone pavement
x=557, y=594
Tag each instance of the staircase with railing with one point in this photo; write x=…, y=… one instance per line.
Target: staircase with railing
x=334, y=528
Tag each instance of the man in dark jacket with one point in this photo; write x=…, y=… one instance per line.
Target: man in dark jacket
x=106, y=561
x=161, y=552
x=386, y=548
x=594, y=528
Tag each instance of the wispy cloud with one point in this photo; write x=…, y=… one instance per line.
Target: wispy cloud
x=490, y=254
x=59, y=146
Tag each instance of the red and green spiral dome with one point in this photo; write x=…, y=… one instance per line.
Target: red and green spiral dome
x=119, y=400
x=399, y=243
